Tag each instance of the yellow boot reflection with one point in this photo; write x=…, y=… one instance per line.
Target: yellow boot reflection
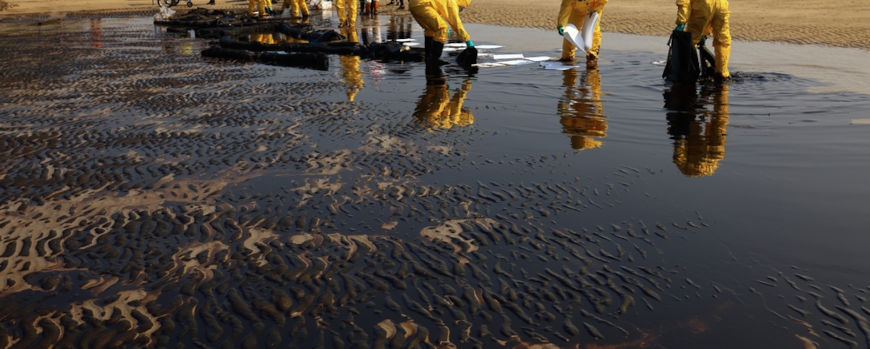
x=263, y=38
x=436, y=109
x=699, y=138
x=580, y=111
x=350, y=71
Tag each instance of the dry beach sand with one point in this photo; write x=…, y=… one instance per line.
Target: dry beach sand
x=837, y=22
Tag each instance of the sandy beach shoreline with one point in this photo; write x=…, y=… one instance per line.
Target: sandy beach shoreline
x=840, y=23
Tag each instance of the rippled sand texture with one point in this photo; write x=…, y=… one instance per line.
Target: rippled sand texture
x=151, y=198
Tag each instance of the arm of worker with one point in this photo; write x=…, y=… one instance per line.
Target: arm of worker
x=564, y=14
x=683, y=8
x=452, y=18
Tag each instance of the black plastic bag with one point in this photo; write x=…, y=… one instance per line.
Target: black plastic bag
x=683, y=64
x=467, y=58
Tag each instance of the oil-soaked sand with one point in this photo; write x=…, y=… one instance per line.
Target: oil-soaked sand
x=153, y=197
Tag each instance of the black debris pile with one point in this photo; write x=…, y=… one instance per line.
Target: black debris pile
x=312, y=60
x=205, y=18
x=279, y=41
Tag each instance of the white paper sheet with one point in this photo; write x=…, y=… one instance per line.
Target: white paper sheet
x=488, y=47
x=508, y=56
x=516, y=62
x=489, y=65
x=552, y=65
x=540, y=58
x=574, y=36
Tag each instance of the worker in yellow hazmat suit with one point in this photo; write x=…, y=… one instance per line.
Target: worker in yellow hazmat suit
x=575, y=12
x=699, y=138
x=350, y=72
x=347, y=11
x=437, y=110
x=581, y=112
x=700, y=17
x=259, y=7
x=298, y=8
x=434, y=16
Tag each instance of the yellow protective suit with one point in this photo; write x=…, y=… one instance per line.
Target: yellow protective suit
x=435, y=15
x=698, y=151
x=350, y=72
x=347, y=11
x=298, y=8
x=259, y=5
x=575, y=12
x=437, y=110
x=701, y=16
x=581, y=112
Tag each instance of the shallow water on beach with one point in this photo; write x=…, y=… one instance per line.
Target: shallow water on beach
x=149, y=196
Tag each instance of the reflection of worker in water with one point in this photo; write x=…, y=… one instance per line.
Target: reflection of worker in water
x=698, y=134
x=350, y=70
x=436, y=109
x=401, y=3
x=347, y=11
x=700, y=17
x=298, y=8
x=96, y=33
x=399, y=28
x=263, y=38
x=581, y=111
x=371, y=34
x=434, y=16
x=575, y=12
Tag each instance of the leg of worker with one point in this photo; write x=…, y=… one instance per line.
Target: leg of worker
x=298, y=8
x=577, y=17
x=352, y=12
x=303, y=8
x=596, y=36
x=722, y=38
x=592, y=54
x=252, y=7
x=294, y=8
x=433, y=25
x=340, y=9
x=434, y=32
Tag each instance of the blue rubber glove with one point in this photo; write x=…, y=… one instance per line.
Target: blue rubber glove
x=561, y=30
x=469, y=44
x=680, y=27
